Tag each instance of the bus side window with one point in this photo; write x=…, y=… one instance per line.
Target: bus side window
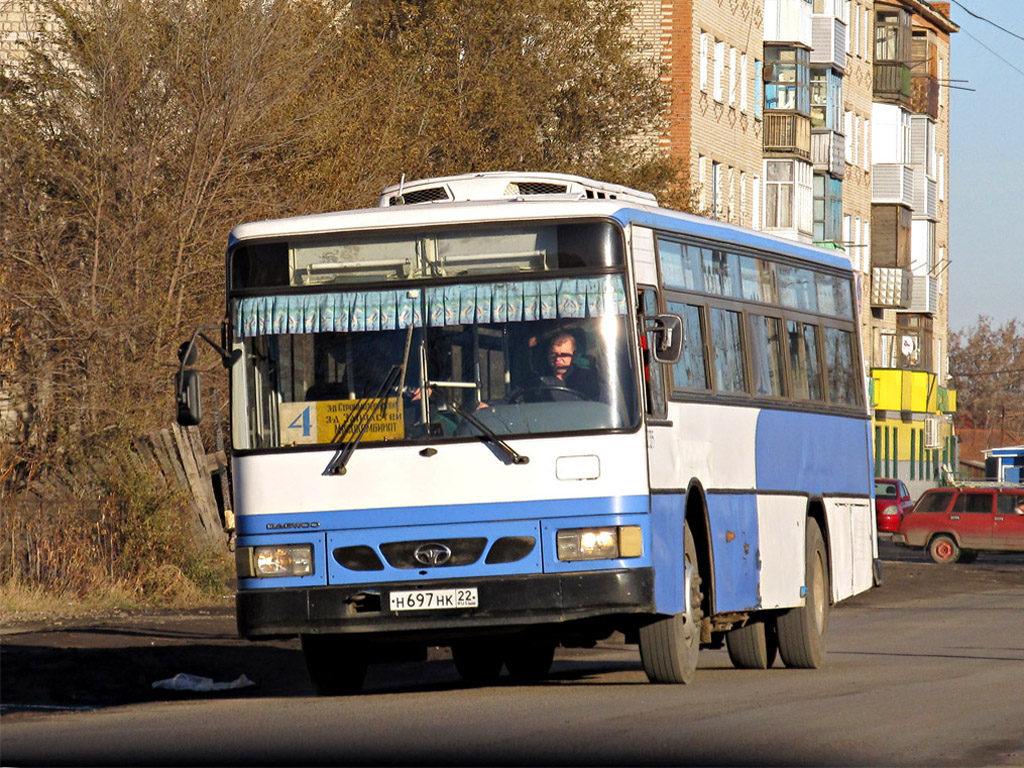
x=654, y=384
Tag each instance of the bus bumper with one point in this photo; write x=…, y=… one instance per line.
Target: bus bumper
x=506, y=602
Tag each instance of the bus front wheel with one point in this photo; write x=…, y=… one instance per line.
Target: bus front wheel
x=802, y=640
x=669, y=646
x=336, y=665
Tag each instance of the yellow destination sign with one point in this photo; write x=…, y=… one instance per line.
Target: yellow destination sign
x=319, y=422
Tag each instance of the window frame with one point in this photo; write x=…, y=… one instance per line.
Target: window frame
x=690, y=287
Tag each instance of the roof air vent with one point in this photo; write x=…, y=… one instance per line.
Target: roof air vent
x=427, y=195
x=516, y=188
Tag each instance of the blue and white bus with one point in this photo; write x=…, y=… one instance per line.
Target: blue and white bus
x=505, y=412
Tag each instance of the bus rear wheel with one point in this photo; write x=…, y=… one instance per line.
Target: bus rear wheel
x=478, y=663
x=336, y=665
x=802, y=639
x=753, y=646
x=669, y=646
x=529, y=662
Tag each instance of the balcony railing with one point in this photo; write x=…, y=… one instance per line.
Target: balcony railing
x=892, y=82
x=828, y=152
x=787, y=134
x=924, y=99
x=891, y=287
x=828, y=41
x=892, y=183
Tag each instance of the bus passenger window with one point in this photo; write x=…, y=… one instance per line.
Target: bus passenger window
x=842, y=381
x=691, y=371
x=766, y=355
x=728, y=344
x=804, y=371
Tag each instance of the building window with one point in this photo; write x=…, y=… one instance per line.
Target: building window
x=719, y=69
x=758, y=89
x=892, y=35
x=779, y=194
x=755, y=203
x=732, y=76
x=826, y=99
x=847, y=133
x=828, y=209
x=787, y=79
x=865, y=249
x=743, y=82
x=941, y=176
x=703, y=63
x=743, y=197
x=716, y=189
x=864, y=156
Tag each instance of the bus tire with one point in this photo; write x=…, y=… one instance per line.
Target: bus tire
x=478, y=663
x=529, y=662
x=336, y=666
x=802, y=631
x=669, y=645
x=753, y=646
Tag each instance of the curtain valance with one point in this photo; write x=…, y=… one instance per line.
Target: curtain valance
x=398, y=308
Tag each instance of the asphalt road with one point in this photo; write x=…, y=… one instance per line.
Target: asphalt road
x=927, y=670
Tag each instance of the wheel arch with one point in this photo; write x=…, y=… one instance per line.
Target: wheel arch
x=935, y=534
x=816, y=512
x=696, y=514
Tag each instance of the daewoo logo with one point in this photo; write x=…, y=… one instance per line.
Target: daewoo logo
x=284, y=526
x=432, y=554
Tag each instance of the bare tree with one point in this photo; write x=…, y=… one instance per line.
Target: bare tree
x=135, y=133
x=986, y=365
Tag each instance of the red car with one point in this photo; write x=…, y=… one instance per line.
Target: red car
x=892, y=502
x=956, y=523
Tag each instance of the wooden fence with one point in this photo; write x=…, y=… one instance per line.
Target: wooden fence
x=184, y=464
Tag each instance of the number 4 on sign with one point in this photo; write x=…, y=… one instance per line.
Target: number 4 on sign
x=303, y=420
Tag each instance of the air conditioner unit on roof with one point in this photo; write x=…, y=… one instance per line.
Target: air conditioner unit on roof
x=508, y=186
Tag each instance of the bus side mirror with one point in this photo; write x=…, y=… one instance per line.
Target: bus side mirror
x=190, y=407
x=668, y=338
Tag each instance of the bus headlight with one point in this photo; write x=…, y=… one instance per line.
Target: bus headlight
x=600, y=543
x=275, y=561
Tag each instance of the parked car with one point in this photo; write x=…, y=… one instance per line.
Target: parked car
x=956, y=523
x=892, y=502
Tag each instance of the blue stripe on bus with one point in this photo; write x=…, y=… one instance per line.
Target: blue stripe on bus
x=735, y=540
x=667, y=550
x=388, y=517
x=805, y=452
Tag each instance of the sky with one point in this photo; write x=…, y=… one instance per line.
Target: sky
x=986, y=190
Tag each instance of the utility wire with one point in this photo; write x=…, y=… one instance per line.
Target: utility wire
x=1007, y=63
x=987, y=21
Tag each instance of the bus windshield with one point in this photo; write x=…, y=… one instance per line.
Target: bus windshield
x=422, y=364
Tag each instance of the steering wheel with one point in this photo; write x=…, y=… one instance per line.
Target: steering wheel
x=520, y=395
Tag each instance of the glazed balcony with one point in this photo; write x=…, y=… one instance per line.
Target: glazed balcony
x=828, y=41
x=828, y=152
x=892, y=183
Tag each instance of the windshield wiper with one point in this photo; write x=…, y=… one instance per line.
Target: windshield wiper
x=359, y=420
x=490, y=435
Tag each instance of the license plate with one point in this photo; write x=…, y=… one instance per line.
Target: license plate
x=434, y=599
